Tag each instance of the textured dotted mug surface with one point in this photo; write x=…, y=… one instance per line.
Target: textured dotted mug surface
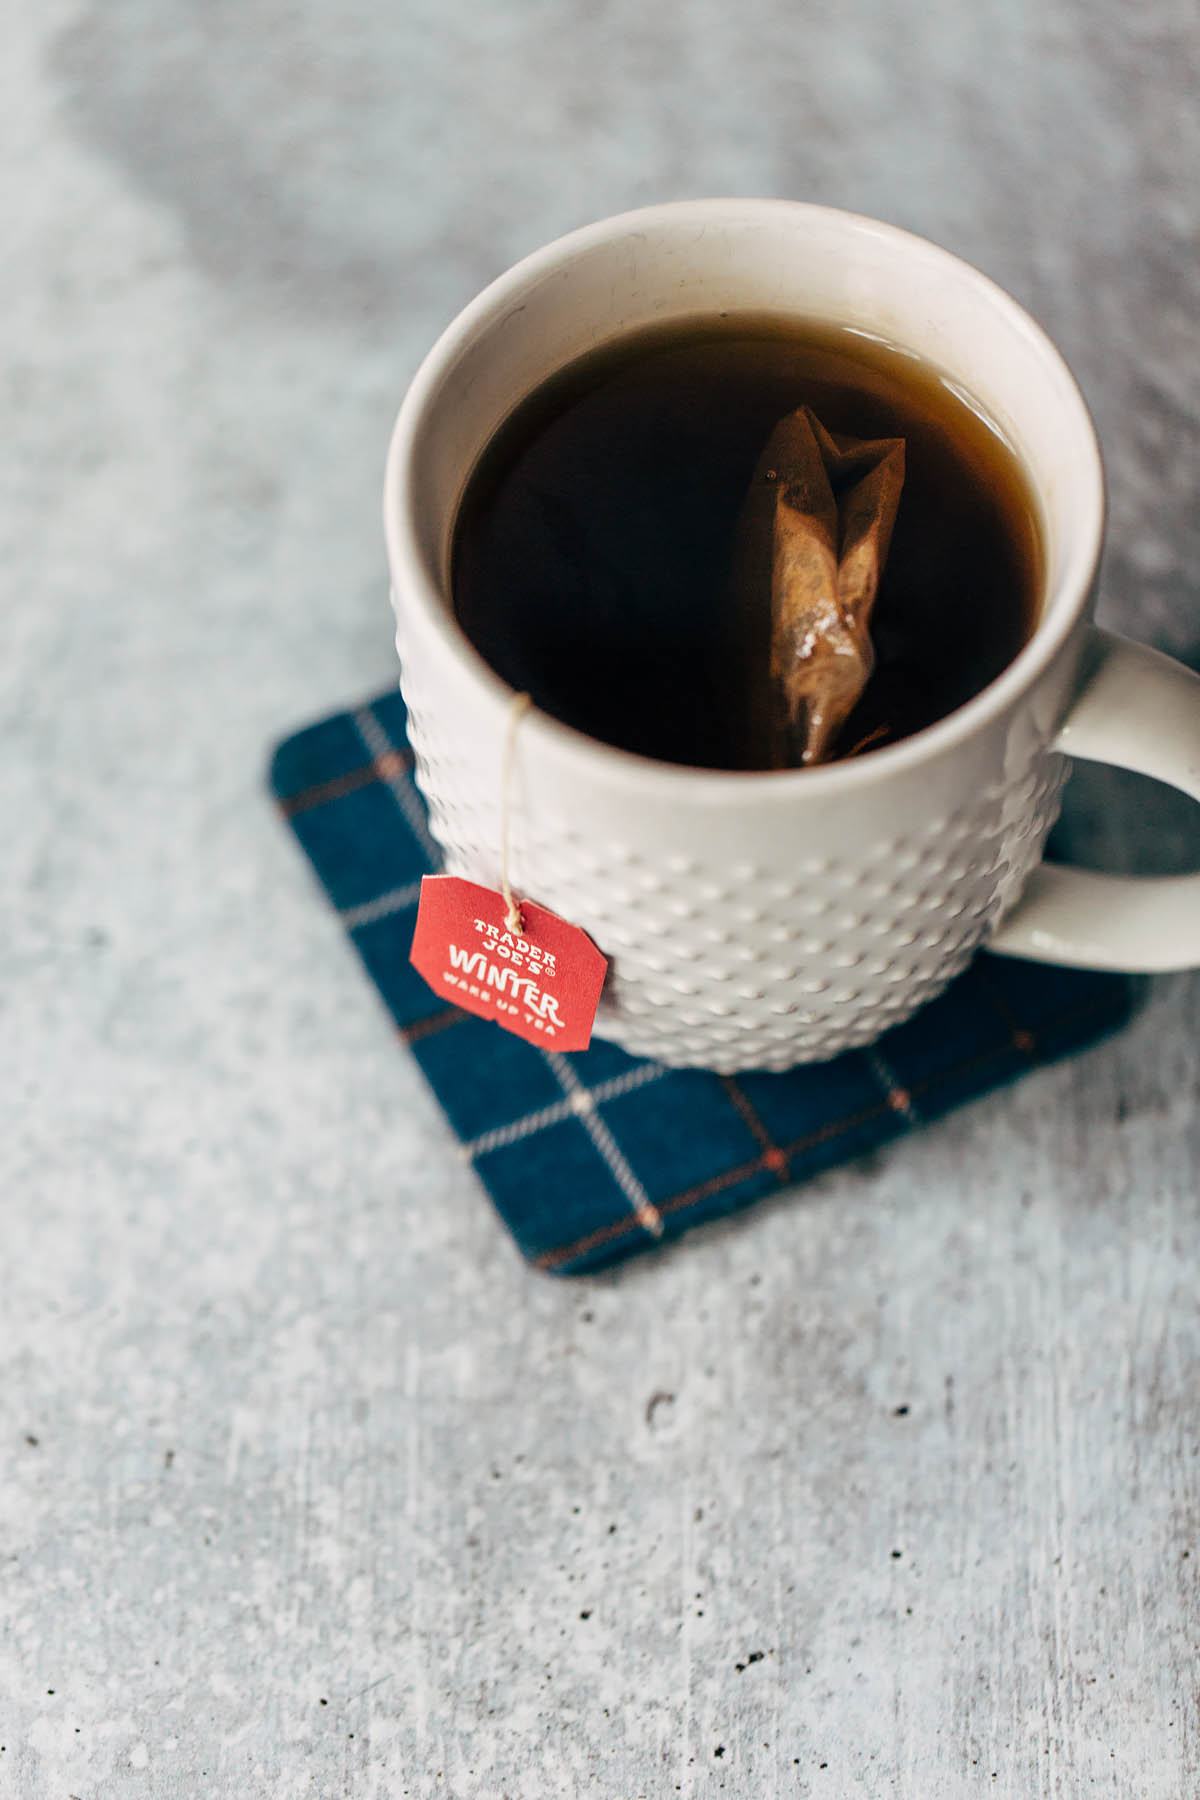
x=725, y=959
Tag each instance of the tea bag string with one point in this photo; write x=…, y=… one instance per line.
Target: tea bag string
x=520, y=706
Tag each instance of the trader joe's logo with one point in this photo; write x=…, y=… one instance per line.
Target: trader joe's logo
x=542, y=983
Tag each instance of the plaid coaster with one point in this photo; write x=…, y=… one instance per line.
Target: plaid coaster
x=594, y=1155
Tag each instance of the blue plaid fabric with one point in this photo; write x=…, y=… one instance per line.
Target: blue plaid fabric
x=592, y=1156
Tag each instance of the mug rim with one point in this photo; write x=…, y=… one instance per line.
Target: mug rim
x=1062, y=610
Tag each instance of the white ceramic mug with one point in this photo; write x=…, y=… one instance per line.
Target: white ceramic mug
x=758, y=920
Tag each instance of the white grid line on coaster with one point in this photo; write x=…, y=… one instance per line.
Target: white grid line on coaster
x=394, y=901
x=583, y=1104
x=896, y=1094
x=378, y=745
x=573, y=1106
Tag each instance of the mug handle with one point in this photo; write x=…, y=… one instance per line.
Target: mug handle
x=1139, y=710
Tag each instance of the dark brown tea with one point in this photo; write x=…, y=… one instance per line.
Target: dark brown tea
x=592, y=549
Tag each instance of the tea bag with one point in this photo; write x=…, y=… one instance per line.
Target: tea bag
x=814, y=533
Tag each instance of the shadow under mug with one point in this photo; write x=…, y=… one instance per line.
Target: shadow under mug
x=759, y=920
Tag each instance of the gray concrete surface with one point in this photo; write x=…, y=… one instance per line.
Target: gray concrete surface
x=307, y=1486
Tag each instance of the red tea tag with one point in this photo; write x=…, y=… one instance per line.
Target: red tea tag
x=543, y=985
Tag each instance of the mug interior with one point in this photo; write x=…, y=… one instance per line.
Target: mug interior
x=700, y=258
